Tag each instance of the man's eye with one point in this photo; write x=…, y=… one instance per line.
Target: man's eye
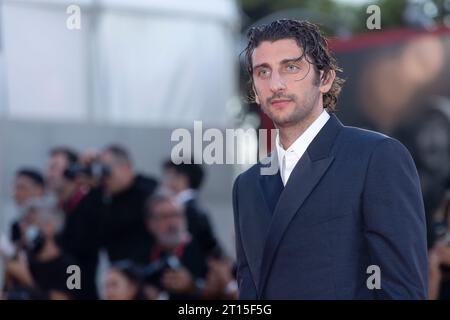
x=292, y=68
x=263, y=73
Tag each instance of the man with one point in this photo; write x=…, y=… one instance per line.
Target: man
x=29, y=187
x=29, y=190
x=185, y=181
x=29, y=184
x=124, y=195
x=79, y=234
x=177, y=262
x=61, y=174
x=343, y=200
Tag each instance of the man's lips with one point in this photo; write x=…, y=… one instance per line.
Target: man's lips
x=279, y=102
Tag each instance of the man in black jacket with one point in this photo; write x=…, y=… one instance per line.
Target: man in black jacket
x=176, y=263
x=123, y=195
x=79, y=234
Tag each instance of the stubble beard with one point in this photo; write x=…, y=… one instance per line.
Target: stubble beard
x=298, y=113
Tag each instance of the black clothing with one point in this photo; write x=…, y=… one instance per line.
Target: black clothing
x=52, y=275
x=191, y=256
x=123, y=231
x=80, y=239
x=200, y=228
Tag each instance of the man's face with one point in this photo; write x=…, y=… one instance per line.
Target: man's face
x=287, y=88
x=174, y=180
x=55, y=171
x=113, y=182
x=167, y=223
x=25, y=189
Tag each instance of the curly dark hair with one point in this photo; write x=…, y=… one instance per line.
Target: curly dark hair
x=314, y=46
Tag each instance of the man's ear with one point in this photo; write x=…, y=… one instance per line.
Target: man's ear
x=326, y=83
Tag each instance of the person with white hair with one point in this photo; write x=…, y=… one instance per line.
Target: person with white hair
x=41, y=270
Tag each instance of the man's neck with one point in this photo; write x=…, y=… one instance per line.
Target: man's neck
x=289, y=134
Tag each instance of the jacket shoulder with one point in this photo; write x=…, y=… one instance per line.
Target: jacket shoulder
x=363, y=135
x=369, y=143
x=146, y=183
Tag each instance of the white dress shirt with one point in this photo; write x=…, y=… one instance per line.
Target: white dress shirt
x=289, y=158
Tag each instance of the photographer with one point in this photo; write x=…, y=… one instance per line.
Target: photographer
x=29, y=190
x=177, y=263
x=123, y=195
x=42, y=269
x=29, y=187
x=62, y=169
x=79, y=235
x=439, y=254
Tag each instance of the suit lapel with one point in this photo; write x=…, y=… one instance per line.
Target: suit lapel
x=305, y=176
x=271, y=184
x=259, y=213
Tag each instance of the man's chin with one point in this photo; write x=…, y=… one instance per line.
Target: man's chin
x=281, y=121
x=287, y=118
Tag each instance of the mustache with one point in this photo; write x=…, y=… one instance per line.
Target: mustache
x=174, y=229
x=281, y=96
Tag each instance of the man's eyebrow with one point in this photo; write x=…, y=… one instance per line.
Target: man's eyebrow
x=284, y=61
x=266, y=65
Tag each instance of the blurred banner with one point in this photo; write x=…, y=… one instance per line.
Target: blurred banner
x=130, y=61
x=398, y=84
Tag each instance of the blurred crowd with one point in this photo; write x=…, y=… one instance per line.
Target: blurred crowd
x=439, y=252
x=159, y=241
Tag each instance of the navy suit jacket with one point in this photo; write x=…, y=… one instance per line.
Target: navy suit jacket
x=353, y=200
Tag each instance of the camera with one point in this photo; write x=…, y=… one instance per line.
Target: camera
x=152, y=273
x=97, y=170
x=34, y=239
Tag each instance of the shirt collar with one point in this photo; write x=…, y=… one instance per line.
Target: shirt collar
x=302, y=142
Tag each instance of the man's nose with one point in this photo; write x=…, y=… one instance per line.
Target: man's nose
x=277, y=82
